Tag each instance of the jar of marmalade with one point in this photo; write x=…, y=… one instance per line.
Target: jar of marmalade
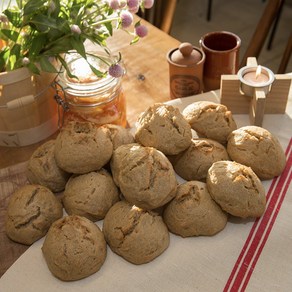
x=91, y=98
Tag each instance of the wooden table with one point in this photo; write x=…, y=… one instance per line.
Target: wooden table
x=146, y=82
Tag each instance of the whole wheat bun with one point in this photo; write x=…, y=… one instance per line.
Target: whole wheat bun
x=74, y=248
x=237, y=189
x=137, y=235
x=259, y=149
x=30, y=212
x=193, y=212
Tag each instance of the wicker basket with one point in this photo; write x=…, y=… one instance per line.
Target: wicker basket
x=28, y=111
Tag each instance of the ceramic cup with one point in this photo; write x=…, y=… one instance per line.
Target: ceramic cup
x=186, y=65
x=222, y=57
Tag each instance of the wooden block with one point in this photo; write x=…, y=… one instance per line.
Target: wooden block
x=231, y=96
x=238, y=103
x=257, y=108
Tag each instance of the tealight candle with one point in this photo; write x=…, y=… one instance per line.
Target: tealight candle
x=255, y=77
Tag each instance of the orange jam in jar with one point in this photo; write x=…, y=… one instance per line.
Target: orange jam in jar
x=91, y=98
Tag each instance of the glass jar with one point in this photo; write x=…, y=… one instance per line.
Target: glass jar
x=90, y=98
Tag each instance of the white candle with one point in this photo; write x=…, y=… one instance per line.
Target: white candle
x=255, y=77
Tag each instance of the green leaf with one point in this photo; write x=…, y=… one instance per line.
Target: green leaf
x=64, y=64
x=96, y=72
x=78, y=45
x=14, y=56
x=43, y=23
x=37, y=44
x=135, y=40
x=10, y=34
x=33, y=5
x=47, y=66
x=33, y=68
x=14, y=17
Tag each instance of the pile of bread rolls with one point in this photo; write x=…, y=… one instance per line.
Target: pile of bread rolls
x=131, y=182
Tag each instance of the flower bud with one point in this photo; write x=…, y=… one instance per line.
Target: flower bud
x=148, y=3
x=141, y=31
x=75, y=29
x=133, y=3
x=3, y=18
x=114, y=4
x=25, y=61
x=116, y=70
x=126, y=19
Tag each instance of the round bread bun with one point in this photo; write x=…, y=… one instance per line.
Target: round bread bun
x=145, y=176
x=74, y=248
x=82, y=147
x=210, y=120
x=163, y=127
x=137, y=235
x=30, y=212
x=237, y=189
x=193, y=212
x=42, y=168
x=119, y=135
x=194, y=162
x=90, y=195
x=257, y=148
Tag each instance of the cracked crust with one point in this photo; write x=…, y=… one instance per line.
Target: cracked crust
x=119, y=135
x=210, y=120
x=42, y=168
x=90, y=195
x=237, y=189
x=139, y=236
x=144, y=174
x=163, y=127
x=193, y=212
x=259, y=149
x=193, y=163
x=82, y=147
x=31, y=211
x=74, y=248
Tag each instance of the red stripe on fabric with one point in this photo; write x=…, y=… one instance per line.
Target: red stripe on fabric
x=270, y=226
x=242, y=268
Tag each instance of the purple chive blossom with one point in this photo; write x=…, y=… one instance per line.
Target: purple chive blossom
x=148, y=3
x=52, y=7
x=116, y=70
x=25, y=61
x=133, y=3
x=141, y=31
x=126, y=19
x=75, y=29
x=123, y=4
x=3, y=18
x=114, y=4
x=134, y=9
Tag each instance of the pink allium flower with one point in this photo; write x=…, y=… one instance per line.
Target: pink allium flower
x=141, y=31
x=116, y=70
x=114, y=4
x=148, y=3
x=126, y=19
x=75, y=29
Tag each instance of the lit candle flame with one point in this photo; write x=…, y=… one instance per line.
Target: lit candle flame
x=258, y=71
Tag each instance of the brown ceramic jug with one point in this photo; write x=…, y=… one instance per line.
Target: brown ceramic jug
x=222, y=57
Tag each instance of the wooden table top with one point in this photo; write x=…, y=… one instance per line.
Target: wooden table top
x=146, y=82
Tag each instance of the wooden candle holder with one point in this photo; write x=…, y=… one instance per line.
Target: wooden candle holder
x=260, y=103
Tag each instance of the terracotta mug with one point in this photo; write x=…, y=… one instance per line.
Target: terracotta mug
x=186, y=65
x=222, y=57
